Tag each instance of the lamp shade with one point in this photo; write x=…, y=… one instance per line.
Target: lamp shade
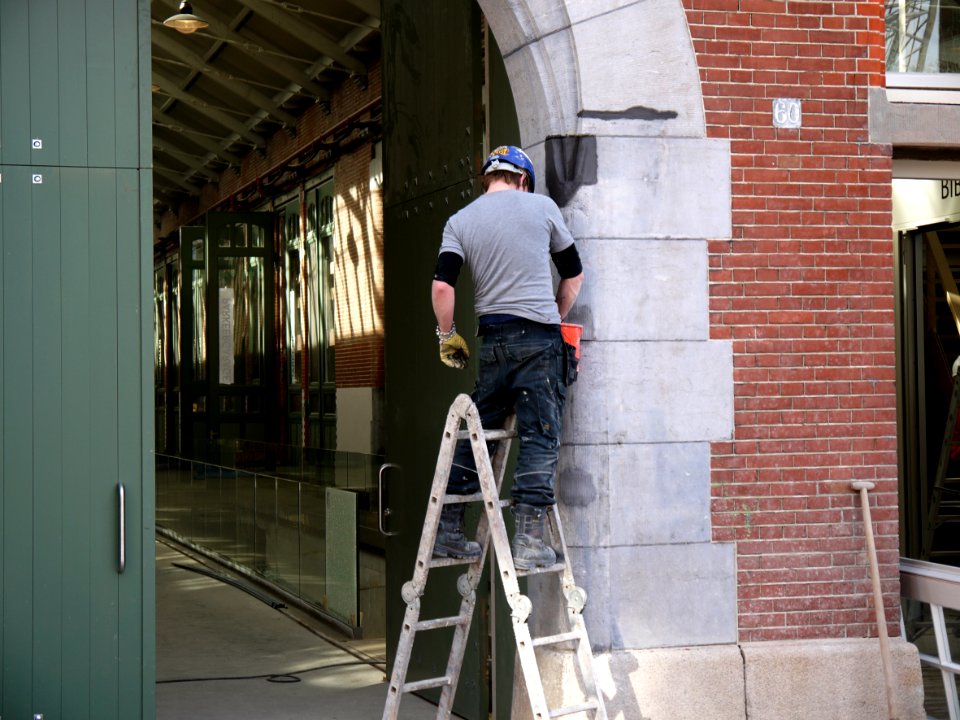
x=185, y=21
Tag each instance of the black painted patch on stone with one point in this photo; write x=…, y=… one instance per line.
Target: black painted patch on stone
x=637, y=112
x=571, y=163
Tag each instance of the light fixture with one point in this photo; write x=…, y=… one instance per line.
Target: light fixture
x=185, y=21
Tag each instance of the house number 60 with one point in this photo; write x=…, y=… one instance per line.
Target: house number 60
x=786, y=113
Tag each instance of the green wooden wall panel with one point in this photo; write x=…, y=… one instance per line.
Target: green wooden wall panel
x=104, y=444
x=101, y=84
x=76, y=638
x=3, y=236
x=18, y=445
x=44, y=95
x=76, y=276
x=72, y=74
x=72, y=85
x=146, y=103
x=126, y=79
x=147, y=549
x=130, y=437
x=15, y=81
x=47, y=431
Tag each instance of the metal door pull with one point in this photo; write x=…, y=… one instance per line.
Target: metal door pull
x=381, y=511
x=122, y=551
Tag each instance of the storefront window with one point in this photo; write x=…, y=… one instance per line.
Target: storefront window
x=923, y=36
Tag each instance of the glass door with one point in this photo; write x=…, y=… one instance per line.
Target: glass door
x=239, y=332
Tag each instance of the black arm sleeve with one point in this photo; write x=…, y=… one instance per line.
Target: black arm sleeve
x=567, y=262
x=448, y=268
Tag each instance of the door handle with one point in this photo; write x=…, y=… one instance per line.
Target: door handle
x=122, y=549
x=381, y=512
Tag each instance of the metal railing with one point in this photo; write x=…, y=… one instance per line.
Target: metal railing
x=930, y=618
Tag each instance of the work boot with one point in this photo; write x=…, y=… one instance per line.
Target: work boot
x=451, y=541
x=529, y=549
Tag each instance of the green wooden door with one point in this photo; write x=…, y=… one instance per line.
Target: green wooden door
x=434, y=70
x=76, y=565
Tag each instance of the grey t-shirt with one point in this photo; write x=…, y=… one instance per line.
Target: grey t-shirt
x=506, y=238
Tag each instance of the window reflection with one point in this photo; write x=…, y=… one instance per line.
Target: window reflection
x=923, y=36
x=241, y=329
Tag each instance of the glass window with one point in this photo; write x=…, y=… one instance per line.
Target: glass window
x=240, y=319
x=923, y=36
x=199, y=294
x=159, y=327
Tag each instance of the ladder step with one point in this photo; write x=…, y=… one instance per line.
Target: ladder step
x=556, y=639
x=571, y=709
x=476, y=497
x=558, y=568
x=437, y=623
x=425, y=684
x=488, y=434
x=436, y=562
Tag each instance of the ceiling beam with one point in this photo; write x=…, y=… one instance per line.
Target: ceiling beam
x=370, y=7
x=191, y=161
x=209, y=145
x=259, y=49
x=306, y=34
x=175, y=177
x=231, y=84
x=171, y=88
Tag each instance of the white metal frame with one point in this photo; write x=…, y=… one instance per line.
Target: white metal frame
x=939, y=587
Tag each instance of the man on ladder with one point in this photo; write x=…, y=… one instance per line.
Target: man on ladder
x=507, y=237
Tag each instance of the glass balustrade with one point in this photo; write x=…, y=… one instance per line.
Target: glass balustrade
x=302, y=519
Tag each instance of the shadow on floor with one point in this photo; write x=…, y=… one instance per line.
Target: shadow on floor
x=223, y=653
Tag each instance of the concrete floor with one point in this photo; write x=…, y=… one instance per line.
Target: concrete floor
x=218, y=646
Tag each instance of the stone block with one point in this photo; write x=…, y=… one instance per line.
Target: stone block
x=656, y=595
x=795, y=680
x=516, y=23
x=543, y=78
x=651, y=85
x=912, y=124
x=830, y=680
x=655, y=188
x=654, y=494
x=648, y=289
x=650, y=392
x=666, y=684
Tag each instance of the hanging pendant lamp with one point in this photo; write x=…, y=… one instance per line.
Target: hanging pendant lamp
x=185, y=21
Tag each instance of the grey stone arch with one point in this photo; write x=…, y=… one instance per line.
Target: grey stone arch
x=608, y=98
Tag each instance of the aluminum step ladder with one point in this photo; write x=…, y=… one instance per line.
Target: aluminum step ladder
x=490, y=527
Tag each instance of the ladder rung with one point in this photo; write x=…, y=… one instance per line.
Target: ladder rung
x=439, y=623
x=559, y=567
x=476, y=497
x=454, y=499
x=425, y=684
x=571, y=709
x=436, y=562
x=555, y=639
x=489, y=434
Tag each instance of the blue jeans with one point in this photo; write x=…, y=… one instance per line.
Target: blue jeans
x=521, y=370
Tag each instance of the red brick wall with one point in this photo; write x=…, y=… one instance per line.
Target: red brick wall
x=804, y=291
x=359, y=272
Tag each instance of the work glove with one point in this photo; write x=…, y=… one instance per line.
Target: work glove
x=453, y=348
